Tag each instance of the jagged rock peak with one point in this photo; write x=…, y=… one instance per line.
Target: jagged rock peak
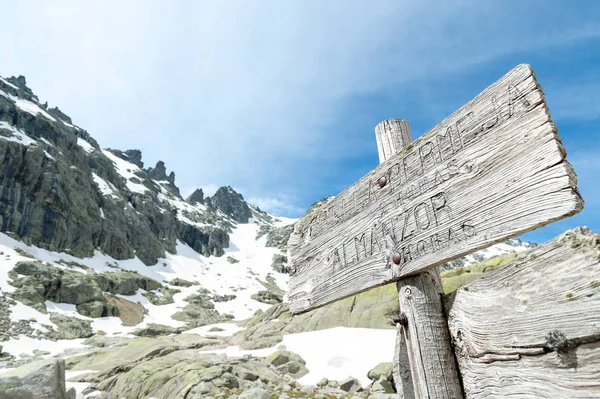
x=231, y=203
x=135, y=157
x=59, y=114
x=159, y=172
x=131, y=156
x=196, y=196
x=21, y=83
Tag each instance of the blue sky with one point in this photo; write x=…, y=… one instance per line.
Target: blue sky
x=280, y=99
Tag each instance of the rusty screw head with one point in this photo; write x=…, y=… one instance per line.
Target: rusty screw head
x=401, y=319
x=396, y=258
x=382, y=181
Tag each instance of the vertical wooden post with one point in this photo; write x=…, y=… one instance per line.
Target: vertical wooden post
x=424, y=340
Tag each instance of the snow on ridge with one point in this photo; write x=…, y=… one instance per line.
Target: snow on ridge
x=46, y=141
x=29, y=106
x=17, y=135
x=126, y=170
x=105, y=187
x=179, y=204
x=87, y=147
x=47, y=154
x=6, y=82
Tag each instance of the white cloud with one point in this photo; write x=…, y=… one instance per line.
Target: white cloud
x=253, y=92
x=282, y=205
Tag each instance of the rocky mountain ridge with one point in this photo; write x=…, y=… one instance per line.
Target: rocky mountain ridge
x=60, y=191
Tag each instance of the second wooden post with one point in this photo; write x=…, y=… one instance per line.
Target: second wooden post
x=423, y=339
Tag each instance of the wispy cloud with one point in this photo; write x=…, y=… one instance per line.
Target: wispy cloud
x=281, y=205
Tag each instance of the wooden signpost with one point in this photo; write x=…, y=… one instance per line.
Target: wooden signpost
x=491, y=171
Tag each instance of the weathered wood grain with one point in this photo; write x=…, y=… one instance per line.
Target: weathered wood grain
x=532, y=328
x=424, y=364
x=493, y=170
x=401, y=368
x=432, y=362
x=392, y=135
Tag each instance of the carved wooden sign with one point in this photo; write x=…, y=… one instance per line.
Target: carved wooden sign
x=493, y=170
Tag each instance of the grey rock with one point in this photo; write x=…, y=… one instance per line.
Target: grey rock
x=46, y=381
x=70, y=327
x=59, y=114
x=279, y=264
x=323, y=382
x=278, y=237
x=382, y=385
x=196, y=196
x=381, y=370
x=246, y=374
x=179, y=282
x=350, y=384
x=92, y=309
x=156, y=330
x=255, y=393
x=267, y=297
x=231, y=203
x=200, y=311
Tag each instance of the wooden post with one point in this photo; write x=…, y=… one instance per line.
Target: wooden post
x=424, y=340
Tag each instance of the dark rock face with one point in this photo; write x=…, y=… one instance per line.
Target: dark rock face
x=231, y=203
x=197, y=196
x=60, y=115
x=21, y=83
x=206, y=240
x=61, y=192
x=159, y=172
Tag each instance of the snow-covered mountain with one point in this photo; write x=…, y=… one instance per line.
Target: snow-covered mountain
x=94, y=246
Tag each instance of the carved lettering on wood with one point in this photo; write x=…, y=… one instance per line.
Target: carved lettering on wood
x=493, y=170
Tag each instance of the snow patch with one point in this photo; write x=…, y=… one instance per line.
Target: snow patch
x=23, y=312
x=334, y=353
x=105, y=187
x=30, y=107
x=127, y=170
x=87, y=147
x=17, y=135
x=79, y=386
x=25, y=346
x=6, y=82
x=46, y=141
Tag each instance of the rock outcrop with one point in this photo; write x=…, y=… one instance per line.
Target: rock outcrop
x=36, y=283
x=40, y=381
x=60, y=191
x=196, y=196
x=231, y=203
